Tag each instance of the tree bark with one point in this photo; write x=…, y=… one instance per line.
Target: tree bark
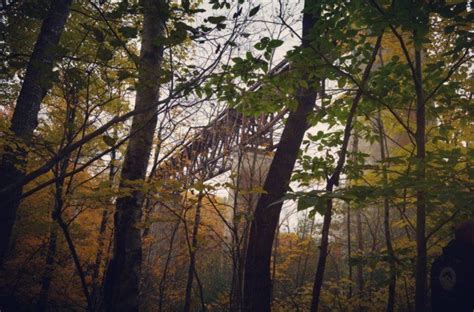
x=121, y=289
x=274, y=262
x=323, y=252
x=192, y=254
x=57, y=216
x=360, y=235
x=420, y=292
x=68, y=137
x=102, y=239
x=162, y=283
x=388, y=236
x=48, y=270
x=334, y=181
x=360, y=249
x=298, y=265
x=306, y=256
x=262, y=231
x=349, y=250
x=36, y=84
x=77, y=262
x=257, y=283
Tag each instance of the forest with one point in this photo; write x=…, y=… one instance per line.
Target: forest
x=233, y=155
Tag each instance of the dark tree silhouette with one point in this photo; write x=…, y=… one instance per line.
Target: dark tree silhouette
x=37, y=82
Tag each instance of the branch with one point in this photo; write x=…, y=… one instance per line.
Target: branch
x=450, y=73
x=334, y=179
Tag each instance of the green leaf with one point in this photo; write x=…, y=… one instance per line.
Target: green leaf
x=128, y=32
x=304, y=84
x=104, y=54
x=305, y=203
x=109, y=140
x=216, y=19
x=124, y=74
x=237, y=60
x=275, y=43
x=254, y=11
x=312, y=200
x=341, y=82
x=99, y=35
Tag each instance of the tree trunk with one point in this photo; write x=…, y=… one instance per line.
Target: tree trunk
x=48, y=270
x=36, y=84
x=349, y=249
x=360, y=236
x=57, y=216
x=96, y=295
x=334, y=181
x=360, y=250
x=235, y=298
x=274, y=262
x=388, y=237
x=121, y=289
x=77, y=262
x=162, y=283
x=323, y=252
x=420, y=292
x=306, y=256
x=355, y=146
x=298, y=265
x=58, y=199
x=192, y=254
x=262, y=231
x=257, y=283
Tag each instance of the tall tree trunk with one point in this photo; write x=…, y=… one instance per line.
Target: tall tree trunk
x=57, y=216
x=192, y=254
x=257, y=283
x=48, y=270
x=360, y=235
x=96, y=295
x=355, y=146
x=360, y=250
x=334, y=181
x=36, y=84
x=386, y=206
x=298, y=265
x=77, y=262
x=60, y=170
x=420, y=292
x=306, y=256
x=323, y=252
x=162, y=283
x=235, y=298
x=121, y=289
x=349, y=249
x=274, y=262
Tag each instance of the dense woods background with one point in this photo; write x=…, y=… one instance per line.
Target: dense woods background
x=231, y=155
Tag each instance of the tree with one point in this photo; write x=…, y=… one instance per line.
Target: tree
x=208, y=98
x=333, y=180
x=257, y=283
x=192, y=246
x=122, y=283
x=36, y=84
